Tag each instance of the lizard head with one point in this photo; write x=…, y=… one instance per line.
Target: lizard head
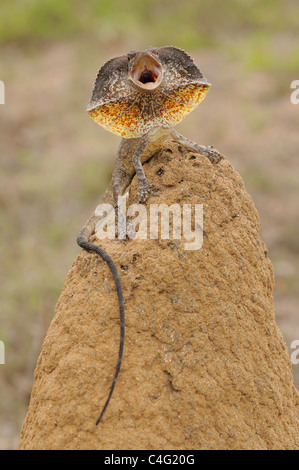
x=156, y=87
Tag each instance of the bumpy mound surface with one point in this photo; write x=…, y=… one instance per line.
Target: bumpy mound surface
x=204, y=367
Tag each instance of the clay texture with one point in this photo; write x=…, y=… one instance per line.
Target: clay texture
x=204, y=366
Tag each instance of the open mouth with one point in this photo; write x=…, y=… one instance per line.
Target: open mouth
x=147, y=72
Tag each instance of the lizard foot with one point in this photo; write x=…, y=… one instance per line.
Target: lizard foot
x=208, y=151
x=145, y=191
x=212, y=154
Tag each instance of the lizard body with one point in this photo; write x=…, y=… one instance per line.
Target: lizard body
x=141, y=96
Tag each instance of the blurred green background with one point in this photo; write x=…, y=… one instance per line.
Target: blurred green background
x=56, y=162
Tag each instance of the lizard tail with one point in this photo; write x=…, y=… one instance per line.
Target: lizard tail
x=83, y=242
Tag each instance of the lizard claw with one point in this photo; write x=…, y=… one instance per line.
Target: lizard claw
x=144, y=192
x=212, y=155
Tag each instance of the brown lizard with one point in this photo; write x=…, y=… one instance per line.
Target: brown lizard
x=141, y=96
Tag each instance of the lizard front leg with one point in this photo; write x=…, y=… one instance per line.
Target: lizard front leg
x=209, y=152
x=147, y=146
x=144, y=187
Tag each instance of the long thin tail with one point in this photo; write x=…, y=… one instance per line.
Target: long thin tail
x=84, y=243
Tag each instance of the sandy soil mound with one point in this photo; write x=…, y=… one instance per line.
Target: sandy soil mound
x=204, y=367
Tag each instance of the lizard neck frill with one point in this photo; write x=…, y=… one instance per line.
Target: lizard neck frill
x=144, y=90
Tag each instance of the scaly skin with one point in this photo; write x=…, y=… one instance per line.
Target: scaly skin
x=141, y=96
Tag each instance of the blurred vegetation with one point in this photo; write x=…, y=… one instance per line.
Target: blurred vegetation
x=254, y=25
x=51, y=172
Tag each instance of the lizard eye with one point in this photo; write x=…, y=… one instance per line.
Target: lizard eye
x=131, y=55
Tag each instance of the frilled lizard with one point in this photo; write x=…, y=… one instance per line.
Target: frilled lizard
x=141, y=96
